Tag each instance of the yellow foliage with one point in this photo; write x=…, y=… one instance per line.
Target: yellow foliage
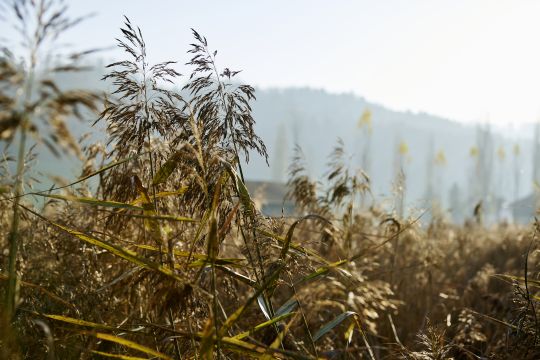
x=440, y=158
x=365, y=120
x=403, y=148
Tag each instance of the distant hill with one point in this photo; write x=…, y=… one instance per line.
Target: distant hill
x=315, y=119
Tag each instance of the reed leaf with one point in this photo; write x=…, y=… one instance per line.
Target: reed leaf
x=262, y=326
x=332, y=324
x=233, y=318
x=78, y=322
x=128, y=343
x=112, y=248
x=166, y=170
x=93, y=202
x=279, y=339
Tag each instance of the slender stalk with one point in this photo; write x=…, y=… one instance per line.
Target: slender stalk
x=14, y=236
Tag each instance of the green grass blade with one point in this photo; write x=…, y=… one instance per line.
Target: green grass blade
x=290, y=232
x=262, y=326
x=231, y=320
x=79, y=180
x=78, y=322
x=128, y=343
x=520, y=279
x=120, y=252
x=332, y=324
x=160, y=195
x=202, y=259
x=246, y=280
x=166, y=170
x=112, y=248
x=300, y=249
x=279, y=339
x=288, y=307
x=162, y=217
x=323, y=270
x=94, y=202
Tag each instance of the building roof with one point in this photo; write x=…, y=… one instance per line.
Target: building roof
x=268, y=191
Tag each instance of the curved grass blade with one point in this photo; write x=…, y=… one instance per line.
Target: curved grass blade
x=202, y=259
x=279, y=339
x=181, y=253
x=323, y=270
x=79, y=180
x=112, y=248
x=120, y=252
x=128, y=343
x=242, y=191
x=332, y=324
x=262, y=326
x=495, y=320
x=161, y=194
x=297, y=247
x=166, y=169
x=162, y=217
x=94, y=202
x=521, y=279
x=262, y=304
x=245, y=198
x=288, y=307
x=202, y=225
x=238, y=276
x=149, y=211
x=78, y=322
x=242, y=347
x=290, y=232
x=231, y=320
x=103, y=169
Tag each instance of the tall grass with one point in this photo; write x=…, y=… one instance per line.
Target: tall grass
x=169, y=258
x=28, y=95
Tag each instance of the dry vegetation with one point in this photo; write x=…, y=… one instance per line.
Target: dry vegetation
x=167, y=258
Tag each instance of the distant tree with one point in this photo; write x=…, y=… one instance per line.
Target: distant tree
x=366, y=127
x=456, y=203
x=482, y=174
x=279, y=163
x=400, y=175
x=501, y=170
x=517, y=171
x=536, y=163
x=536, y=155
x=429, y=171
x=440, y=163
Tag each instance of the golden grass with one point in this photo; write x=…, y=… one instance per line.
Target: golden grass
x=168, y=258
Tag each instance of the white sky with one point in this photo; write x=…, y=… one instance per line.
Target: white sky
x=462, y=59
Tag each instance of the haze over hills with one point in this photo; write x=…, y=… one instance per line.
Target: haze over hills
x=315, y=119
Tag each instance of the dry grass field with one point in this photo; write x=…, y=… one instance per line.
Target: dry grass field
x=157, y=251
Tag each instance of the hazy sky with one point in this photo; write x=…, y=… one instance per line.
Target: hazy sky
x=462, y=59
